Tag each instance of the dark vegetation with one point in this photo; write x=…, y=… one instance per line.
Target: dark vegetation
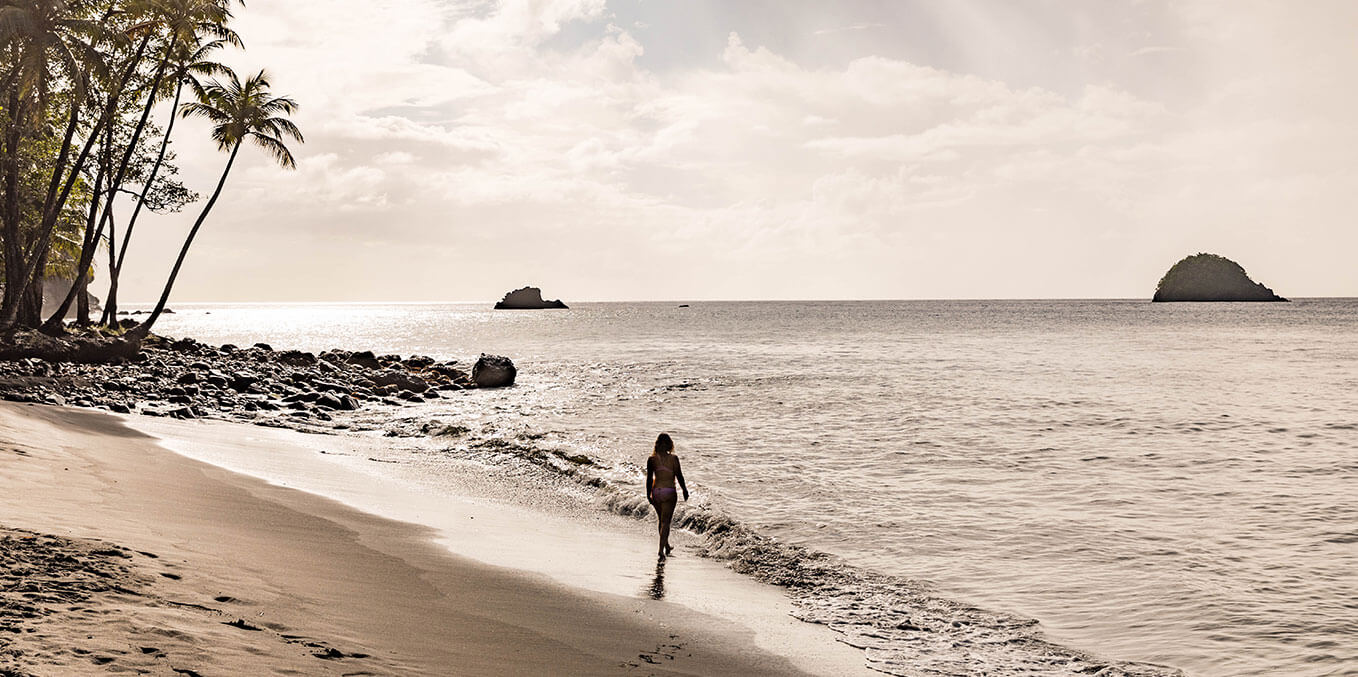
x=82, y=160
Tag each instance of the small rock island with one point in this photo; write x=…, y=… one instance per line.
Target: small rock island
x=527, y=298
x=1208, y=277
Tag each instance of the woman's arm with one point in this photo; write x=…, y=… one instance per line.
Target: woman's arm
x=650, y=478
x=679, y=475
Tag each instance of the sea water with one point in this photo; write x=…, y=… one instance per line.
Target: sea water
x=1158, y=484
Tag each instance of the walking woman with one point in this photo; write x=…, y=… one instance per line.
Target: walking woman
x=662, y=469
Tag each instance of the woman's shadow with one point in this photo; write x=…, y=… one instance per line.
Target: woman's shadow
x=656, y=590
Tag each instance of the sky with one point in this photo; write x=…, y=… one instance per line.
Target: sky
x=778, y=149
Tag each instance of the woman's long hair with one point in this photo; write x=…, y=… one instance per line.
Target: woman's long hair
x=663, y=444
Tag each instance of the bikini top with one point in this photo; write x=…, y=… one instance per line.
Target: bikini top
x=658, y=466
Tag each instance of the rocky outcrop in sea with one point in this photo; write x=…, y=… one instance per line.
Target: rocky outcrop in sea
x=1208, y=277
x=527, y=298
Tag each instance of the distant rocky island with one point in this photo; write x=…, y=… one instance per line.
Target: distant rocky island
x=1208, y=277
x=527, y=298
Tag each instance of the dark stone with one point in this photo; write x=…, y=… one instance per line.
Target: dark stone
x=1208, y=277
x=399, y=380
x=493, y=371
x=241, y=381
x=187, y=378
x=265, y=347
x=526, y=298
x=296, y=358
x=447, y=369
x=119, y=408
x=364, y=358
x=419, y=361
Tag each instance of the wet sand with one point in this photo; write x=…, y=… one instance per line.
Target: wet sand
x=208, y=572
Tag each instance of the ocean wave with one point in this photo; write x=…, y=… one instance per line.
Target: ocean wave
x=903, y=627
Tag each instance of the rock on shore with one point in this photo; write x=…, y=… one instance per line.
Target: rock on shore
x=187, y=379
x=527, y=298
x=493, y=371
x=1208, y=277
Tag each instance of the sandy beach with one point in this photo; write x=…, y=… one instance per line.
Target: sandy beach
x=123, y=556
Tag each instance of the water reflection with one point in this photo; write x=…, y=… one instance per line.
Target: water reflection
x=656, y=590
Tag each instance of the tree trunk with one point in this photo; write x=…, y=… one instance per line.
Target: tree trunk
x=13, y=240
x=82, y=302
x=144, y=329
x=88, y=245
x=30, y=304
x=53, y=206
x=116, y=269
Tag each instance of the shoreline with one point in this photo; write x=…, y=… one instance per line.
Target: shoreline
x=269, y=576
x=889, y=624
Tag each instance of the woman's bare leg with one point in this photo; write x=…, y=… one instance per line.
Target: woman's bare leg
x=665, y=512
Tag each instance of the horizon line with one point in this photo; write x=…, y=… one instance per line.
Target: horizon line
x=1146, y=299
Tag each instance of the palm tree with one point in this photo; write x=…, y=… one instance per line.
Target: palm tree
x=190, y=63
x=238, y=111
x=48, y=41
x=181, y=22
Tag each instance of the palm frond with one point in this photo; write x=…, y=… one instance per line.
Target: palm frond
x=276, y=149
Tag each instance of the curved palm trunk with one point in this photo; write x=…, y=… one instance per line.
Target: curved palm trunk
x=144, y=329
x=58, y=192
x=53, y=324
x=116, y=268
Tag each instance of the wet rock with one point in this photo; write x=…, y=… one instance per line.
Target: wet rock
x=329, y=386
x=364, y=358
x=296, y=358
x=493, y=371
x=334, y=401
x=400, y=380
x=241, y=381
x=448, y=370
x=186, y=378
x=264, y=347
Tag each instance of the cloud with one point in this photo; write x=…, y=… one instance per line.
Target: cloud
x=537, y=127
x=851, y=28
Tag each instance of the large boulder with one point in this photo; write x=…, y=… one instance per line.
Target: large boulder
x=493, y=371
x=1208, y=277
x=527, y=298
